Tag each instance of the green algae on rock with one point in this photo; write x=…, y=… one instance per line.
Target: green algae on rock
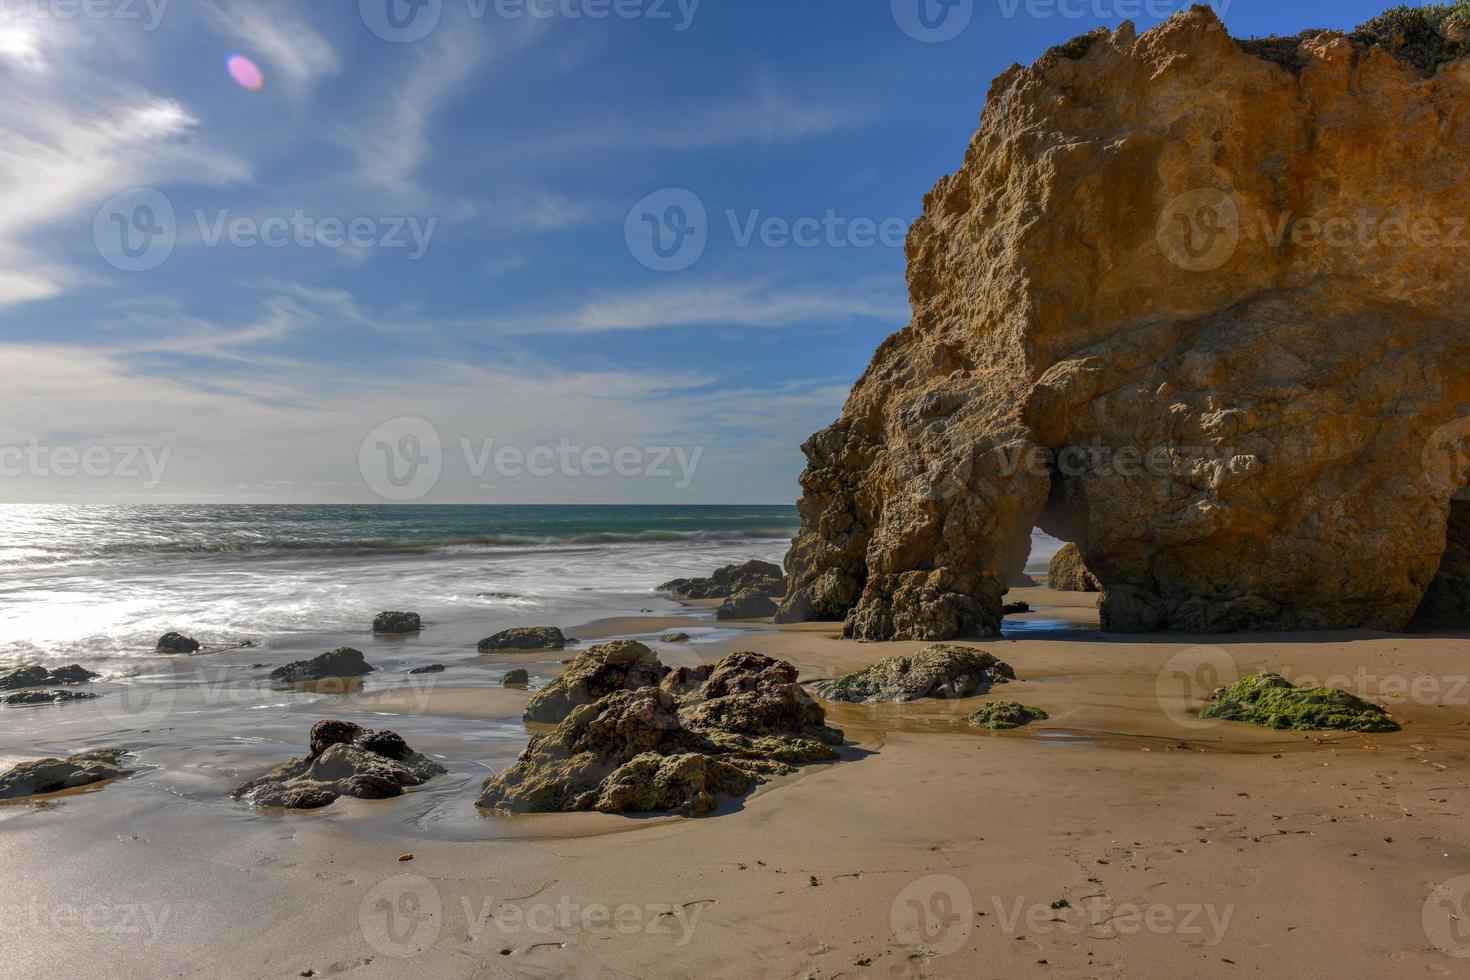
x=1271, y=700
x=938, y=671
x=1002, y=716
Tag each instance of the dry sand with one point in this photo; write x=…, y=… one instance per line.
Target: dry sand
x=1121, y=838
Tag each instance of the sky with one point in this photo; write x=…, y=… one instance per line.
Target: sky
x=474, y=251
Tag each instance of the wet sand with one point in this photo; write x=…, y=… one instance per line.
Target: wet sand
x=1123, y=837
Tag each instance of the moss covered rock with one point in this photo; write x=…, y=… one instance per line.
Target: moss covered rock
x=1004, y=715
x=1271, y=700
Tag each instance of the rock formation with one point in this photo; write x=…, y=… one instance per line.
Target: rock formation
x=1068, y=572
x=524, y=638
x=345, y=760
x=1195, y=304
x=38, y=676
x=622, y=665
x=397, y=623
x=341, y=662
x=649, y=749
x=757, y=576
x=176, y=643
x=940, y=671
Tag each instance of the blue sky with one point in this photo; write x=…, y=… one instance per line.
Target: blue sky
x=499, y=172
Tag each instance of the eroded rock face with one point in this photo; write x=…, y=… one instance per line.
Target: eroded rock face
x=1068, y=572
x=940, y=671
x=55, y=775
x=650, y=749
x=1113, y=340
x=346, y=760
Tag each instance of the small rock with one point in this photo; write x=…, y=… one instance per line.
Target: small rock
x=938, y=671
x=516, y=678
x=1015, y=608
x=176, y=643
x=525, y=638
x=675, y=637
x=397, y=623
x=1002, y=716
x=430, y=669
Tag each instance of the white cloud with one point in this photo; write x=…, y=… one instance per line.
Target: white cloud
x=748, y=304
x=72, y=136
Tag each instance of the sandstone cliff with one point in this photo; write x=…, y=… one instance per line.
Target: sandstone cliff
x=1198, y=306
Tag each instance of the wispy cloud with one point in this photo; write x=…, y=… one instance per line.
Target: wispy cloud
x=738, y=304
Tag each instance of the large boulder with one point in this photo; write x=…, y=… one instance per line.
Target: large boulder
x=525, y=638
x=397, y=623
x=1191, y=302
x=38, y=676
x=55, y=775
x=341, y=662
x=1068, y=571
x=176, y=643
x=346, y=760
x=649, y=750
x=939, y=671
x=595, y=673
x=757, y=576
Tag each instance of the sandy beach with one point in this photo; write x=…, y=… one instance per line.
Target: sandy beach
x=1123, y=837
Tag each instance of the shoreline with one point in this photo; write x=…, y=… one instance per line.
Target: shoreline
x=1322, y=851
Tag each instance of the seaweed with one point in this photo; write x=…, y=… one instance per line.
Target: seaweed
x=1271, y=700
x=1004, y=715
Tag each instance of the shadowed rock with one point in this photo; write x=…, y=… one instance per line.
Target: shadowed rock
x=593, y=674
x=939, y=671
x=516, y=678
x=345, y=760
x=747, y=604
x=1068, y=572
x=525, y=638
x=341, y=662
x=758, y=576
x=177, y=643
x=397, y=623
x=648, y=750
x=1238, y=433
x=55, y=775
x=38, y=676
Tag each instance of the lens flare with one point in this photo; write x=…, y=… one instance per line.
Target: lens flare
x=246, y=72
